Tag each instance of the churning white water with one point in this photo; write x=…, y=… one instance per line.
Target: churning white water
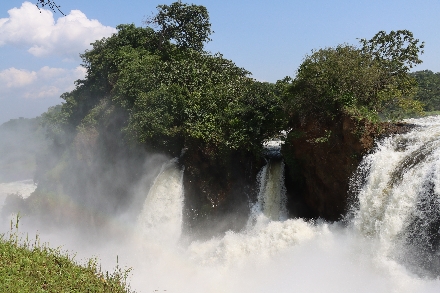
x=399, y=202
x=389, y=244
x=161, y=217
x=273, y=254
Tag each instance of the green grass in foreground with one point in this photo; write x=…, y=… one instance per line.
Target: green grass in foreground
x=31, y=267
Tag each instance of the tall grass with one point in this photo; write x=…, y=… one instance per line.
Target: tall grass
x=28, y=266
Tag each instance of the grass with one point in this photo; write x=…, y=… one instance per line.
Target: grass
x=28, y=266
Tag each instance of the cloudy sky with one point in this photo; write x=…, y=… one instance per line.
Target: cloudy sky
x=39, y=50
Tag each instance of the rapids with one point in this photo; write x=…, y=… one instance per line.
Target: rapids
x=388, y=243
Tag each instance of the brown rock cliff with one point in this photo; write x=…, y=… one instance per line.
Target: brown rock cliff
x=321, y=157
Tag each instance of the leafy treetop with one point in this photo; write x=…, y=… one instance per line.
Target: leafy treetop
x=187, y=25
x=398, y=51
x=171, y=95
x=368, y=81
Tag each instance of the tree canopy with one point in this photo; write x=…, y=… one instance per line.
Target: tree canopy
x=367, y=81
x=428, y=90
x=168, y=92
x=187, y=25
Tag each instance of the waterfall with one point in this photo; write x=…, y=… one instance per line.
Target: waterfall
x=272, y=192
x=161, y=217
x=268, y=231
x=399, y=198
x=390, y=243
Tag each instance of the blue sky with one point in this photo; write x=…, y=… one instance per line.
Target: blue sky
x=39, y=51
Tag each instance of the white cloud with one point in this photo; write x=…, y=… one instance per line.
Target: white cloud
x=15, y=78
x=45, y=83
x=38, y=32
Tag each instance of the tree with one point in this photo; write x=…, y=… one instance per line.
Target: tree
x=187, y=25
x=428, y=90
x=398, y=51
x=367, y=81
x=196, y=97
x=170, y=92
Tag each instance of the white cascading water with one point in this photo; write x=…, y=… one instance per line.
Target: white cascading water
x=272, y=192
x=399, y=200
x=268, y=231
x=390, y=243
x=161, y=216
x=22, y=188
x=273, y=254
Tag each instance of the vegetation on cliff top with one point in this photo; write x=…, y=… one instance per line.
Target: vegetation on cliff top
x=169, y=91
x=368, y=81
x=157, y=87
x=28, y=266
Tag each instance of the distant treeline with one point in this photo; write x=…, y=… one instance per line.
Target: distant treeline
x=428, y=90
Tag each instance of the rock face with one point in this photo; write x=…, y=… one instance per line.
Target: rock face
x=320, y=159
x=218, y=191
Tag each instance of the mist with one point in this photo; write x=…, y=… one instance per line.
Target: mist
x=269, y=254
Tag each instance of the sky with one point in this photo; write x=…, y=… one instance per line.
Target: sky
x=39, y=52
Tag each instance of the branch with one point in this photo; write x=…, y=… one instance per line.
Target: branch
x=52, y=5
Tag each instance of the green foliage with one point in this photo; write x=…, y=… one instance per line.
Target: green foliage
x=428, y=90
x=187, y=25
x=398, y=51
x=103, y=59
x=158, y=116
x=367, y=82
x=333, y=79
x=196, y=96
x=172, y=94
x=101, y=63
x=54, y=121
x=28, y=266
x=324, y=138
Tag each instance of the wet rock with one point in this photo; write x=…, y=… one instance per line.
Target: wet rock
x=218, y=190
x=321, y=158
